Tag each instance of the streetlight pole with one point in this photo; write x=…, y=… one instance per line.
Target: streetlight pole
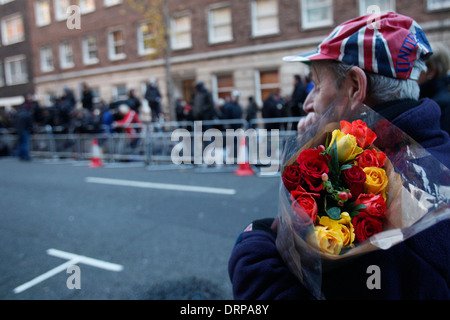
x=167, y=53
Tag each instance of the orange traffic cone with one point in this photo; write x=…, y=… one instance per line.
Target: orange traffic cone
x=243, y=160
x=96, y=161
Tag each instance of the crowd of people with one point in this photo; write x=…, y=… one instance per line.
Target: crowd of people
x=202, y=107
x=63, y=115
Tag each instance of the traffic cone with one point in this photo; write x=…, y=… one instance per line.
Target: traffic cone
x=96, y=161
x=243, y=159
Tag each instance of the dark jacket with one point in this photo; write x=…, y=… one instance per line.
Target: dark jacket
x=297, y=100
x=436, y=89
x=203, y=105
x=88, y=100
x=24, y=120
x=417, y=268
x=152, y=94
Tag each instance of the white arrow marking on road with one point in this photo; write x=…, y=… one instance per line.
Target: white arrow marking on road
x=160, y=186
x=73, y=259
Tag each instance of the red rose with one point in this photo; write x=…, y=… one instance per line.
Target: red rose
x=354, y=179
x=291, y=177
x=364, y=136
x=371, y=158
x=366, y=225
x=312, y=166
x=304, y=202
x=375, y=205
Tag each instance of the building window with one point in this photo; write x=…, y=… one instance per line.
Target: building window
x=12, y=30
x=116, y=45
x=433, y=5
x=61, y=7
x=42, y=9
x=220, y=25
x=316, y=13
x=46, y=59
x=86, y=6
x=146, y=39
x=90, y=52
x=109, y=3
x=119, y=92
x=267, y=82
x=66, y=55
x=223, y=86
x=16, y=70
x=181, y=32
x=264, y=17
x=367, y=6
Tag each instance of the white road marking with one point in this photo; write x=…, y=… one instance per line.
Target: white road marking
x=160, y=186
x=73, y=259
x=86, y=260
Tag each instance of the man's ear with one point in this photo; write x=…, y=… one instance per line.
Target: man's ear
x=356, y=86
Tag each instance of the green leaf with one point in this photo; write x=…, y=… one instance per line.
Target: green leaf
x=334, y=213
x=353, y=214
x=334, y=163
x=355, y=210
x=359, y=207
x=345, y=167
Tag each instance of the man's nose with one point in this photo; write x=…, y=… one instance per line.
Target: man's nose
x=308, y=105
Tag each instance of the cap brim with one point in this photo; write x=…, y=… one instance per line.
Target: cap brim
x=307, y=57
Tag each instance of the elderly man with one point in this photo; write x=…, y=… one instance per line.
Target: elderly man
x=375, y=62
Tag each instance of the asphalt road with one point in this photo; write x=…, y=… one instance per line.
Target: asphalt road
x=169, y=242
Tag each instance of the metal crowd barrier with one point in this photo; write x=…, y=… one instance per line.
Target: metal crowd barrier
x=153, y=143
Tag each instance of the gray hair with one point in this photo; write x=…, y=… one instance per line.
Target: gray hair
x=380, y=88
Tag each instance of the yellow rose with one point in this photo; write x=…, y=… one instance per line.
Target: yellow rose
x=329, y=241
x=347, y=147
x=343, y=227
x=347, y=228
x=376, y=180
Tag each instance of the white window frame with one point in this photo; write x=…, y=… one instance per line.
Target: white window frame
x=442, y=5
x=12, y=80
x=84, y=8
x=211, y=25
x=43, y=18
x=216, y=91
x=19, y=37
x=46, y=55
x=259, y=87
x=113, y=56
x=65, y=51
x=115, y=92
x=110, y=3
x=173, y=42
x=254, y=20
x=87, y=60
x=364, y=5
x=306, y=24
x=142, y=51
x=60, y=7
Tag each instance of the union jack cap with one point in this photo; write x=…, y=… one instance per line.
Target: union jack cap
x=388, y=44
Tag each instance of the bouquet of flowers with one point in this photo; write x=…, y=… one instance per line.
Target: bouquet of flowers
x=354, y=184
x=341, y=186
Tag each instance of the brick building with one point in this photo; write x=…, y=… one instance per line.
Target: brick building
x=228, y=44
x=16, y=73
